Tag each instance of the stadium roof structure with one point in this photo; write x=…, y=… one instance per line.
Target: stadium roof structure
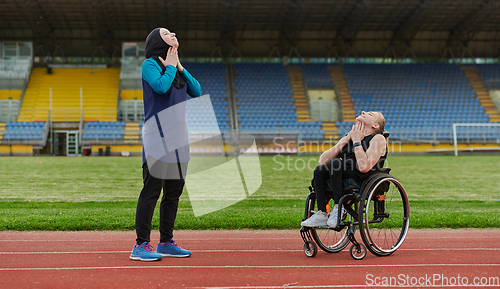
x=234, y=28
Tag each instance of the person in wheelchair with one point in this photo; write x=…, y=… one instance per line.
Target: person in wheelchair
x=356, y=156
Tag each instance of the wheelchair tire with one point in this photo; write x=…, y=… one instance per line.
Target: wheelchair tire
x=310, y=249
x=330, y=240
x=358, y=255
x=385, y=214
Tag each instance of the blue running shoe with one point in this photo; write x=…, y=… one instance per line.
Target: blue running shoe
x=171, y=249
x=144, y=252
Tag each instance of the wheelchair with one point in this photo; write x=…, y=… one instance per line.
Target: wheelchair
x=378, y=207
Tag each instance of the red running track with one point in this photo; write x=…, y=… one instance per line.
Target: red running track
x=245, y=259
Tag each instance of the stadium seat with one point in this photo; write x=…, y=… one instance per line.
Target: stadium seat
x=420, y=97
x=264, y=98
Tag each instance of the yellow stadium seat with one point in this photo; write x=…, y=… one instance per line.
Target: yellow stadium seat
x=99, y=90
x=6, y=94
x=130, y=94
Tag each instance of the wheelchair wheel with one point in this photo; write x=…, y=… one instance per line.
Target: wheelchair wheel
x=358, y=254
x=310, y=249
x=385, y=214
x=330, y=240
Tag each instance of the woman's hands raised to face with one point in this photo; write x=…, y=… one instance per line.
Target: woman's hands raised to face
x=358, y=132
x=172, y=57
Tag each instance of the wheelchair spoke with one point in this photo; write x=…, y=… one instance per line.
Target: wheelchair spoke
x=329, y=240
x=386, y=216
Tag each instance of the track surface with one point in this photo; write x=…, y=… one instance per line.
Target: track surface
x=244, y=259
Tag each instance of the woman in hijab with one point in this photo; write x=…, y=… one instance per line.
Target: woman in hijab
x=165, y=85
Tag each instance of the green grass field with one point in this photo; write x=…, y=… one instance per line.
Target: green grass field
x=62, y=193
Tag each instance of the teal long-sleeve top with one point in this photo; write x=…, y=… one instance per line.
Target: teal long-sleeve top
x=159, y=93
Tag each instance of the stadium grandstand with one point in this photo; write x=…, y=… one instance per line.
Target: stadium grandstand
x=70, y=74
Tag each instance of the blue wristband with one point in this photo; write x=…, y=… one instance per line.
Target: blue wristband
x=357, y=144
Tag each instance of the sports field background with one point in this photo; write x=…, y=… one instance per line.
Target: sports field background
x=61, y=193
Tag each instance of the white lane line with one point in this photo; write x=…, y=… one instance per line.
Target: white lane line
x=452, y=249
x=72, y=252
x=232, y=251
x=128, y=241
x=257, y=238
x=338, y=286
x=285, y=286
x=247, y=266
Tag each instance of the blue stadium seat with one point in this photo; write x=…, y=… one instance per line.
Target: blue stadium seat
x=414, y=96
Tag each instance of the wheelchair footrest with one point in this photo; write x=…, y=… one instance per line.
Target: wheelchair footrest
x=305, y=234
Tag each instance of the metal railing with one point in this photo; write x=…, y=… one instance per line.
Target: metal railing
x=323, y=110
x=99, y=115
x=67, y=115
x=9, y=109
x=131, y=110
x=33, y=115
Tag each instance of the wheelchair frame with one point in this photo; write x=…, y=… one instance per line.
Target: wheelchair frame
x=365, y=205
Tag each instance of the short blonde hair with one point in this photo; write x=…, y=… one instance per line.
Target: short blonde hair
x=381, y=123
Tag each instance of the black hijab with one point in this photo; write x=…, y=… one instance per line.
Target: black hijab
x=157, y=47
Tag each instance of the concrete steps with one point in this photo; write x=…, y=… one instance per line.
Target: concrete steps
x=131, y=135
x=482, y=93
x=349, y=114
x=299, y=93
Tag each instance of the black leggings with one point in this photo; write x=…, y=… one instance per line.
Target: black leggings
x=172, y=190
x=334, y=172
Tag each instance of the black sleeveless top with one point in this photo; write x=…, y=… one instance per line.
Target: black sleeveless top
x=349, y=157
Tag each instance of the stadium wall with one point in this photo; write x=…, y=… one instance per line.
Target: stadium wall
x=16, y=150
